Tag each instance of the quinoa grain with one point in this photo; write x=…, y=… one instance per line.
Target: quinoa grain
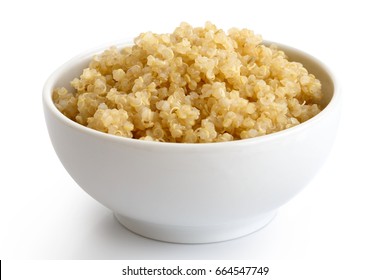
x=196, y=85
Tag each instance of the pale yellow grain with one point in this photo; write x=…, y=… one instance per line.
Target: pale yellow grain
x=196, y=85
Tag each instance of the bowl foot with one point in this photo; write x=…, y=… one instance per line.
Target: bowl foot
x=193, y=234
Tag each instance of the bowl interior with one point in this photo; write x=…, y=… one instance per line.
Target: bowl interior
x=74, y=68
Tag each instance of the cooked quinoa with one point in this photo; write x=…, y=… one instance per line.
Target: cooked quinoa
x=196, y=85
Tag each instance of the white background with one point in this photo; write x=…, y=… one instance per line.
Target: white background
x=342, y=216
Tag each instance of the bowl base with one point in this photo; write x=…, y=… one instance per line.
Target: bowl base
x=191, y=234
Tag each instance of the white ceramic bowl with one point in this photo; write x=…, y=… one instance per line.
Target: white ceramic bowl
x=193, y=193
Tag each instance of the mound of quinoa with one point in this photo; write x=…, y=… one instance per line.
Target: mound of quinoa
x=196, y=85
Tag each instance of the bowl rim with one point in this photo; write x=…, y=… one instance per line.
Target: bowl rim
x=49, y=104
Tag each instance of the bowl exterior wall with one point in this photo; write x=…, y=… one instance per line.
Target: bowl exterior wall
x=192, y=185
